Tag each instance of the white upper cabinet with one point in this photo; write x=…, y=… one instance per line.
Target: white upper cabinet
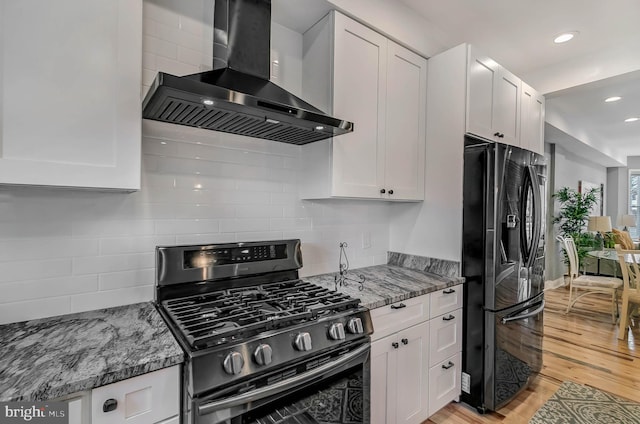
x=532, y=120
x=70, y=74
x=356, y=74
x=406, y=123
x=493, y=101
x=359, y=96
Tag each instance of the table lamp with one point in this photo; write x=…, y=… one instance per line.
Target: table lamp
x=627, y=221
x=600, y=224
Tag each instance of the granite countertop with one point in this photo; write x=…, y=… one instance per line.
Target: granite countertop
x=386, y=284
x=53, y=357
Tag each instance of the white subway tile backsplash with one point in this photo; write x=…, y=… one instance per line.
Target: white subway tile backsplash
x=163, y=49
x=259, y=236
x=120, y=245
x=173, y=65
x=110, y=298
x=21, y=270
x=112, y=263
x=48, y=287
x=187, y=226
x=283, y=224
x=243, y=225
x=205, y=238
x=33, y=309
x=264, y=211
x=119, y=280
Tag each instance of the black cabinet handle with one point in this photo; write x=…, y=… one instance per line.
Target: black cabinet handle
x=449, y=318
x=405, y=341
x=395, y=345
x=501, y=135
x=497, y=134
x=400, y=306
x=390, y=191
x=449, y=291
x=448, y=365
x=383, y=191
x=109, y=405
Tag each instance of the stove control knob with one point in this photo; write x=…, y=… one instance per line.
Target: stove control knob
x=302, y=342
x=233, y=363
x=355, y=326
x=262, y=354
x=336, y=331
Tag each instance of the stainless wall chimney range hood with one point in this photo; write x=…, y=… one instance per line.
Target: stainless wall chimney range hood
x=237, y=96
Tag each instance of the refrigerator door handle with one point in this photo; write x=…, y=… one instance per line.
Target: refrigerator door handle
x=518, y=315
x=529, y=246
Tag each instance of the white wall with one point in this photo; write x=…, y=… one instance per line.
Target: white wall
x=568, y=171
x=65, y=250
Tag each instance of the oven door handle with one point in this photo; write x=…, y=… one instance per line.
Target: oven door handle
x=280, y=386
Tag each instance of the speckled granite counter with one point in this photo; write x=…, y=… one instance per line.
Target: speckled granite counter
x=386, y=284
x=52, y=357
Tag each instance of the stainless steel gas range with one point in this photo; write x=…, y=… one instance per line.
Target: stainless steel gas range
x=262, y=346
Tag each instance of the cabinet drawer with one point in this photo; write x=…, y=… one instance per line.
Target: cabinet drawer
x=148, y=398
x=445, y=336
x=444, y=382
x=446, y=300
x=398, y=316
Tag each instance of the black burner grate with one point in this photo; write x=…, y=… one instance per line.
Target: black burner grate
x=222, y=316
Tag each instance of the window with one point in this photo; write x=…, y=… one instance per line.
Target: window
x=634, y=200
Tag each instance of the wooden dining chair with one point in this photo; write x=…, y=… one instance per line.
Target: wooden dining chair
x=631, y=288
x=581, y=284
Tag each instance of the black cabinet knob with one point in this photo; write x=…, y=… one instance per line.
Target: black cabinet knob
x=109, y=405
x=497, y=134
x=383, y=191
x=395, y=345
x=405, y=341
x=390, y=191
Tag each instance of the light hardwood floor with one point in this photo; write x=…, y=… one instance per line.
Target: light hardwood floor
x=582, y=347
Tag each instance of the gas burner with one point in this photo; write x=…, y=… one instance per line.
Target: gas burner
x=234, y=314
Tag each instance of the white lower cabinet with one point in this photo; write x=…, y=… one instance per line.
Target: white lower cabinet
x=415, y=361
x=399, y=376
x=79, y=405
x=145, y=399
x=444, y=382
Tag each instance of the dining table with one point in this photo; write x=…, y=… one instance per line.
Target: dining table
x=610, y=254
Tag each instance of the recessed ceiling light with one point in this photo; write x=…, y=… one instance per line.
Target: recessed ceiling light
x=319, y=127
x=631, y=119
x=612, y=99
x=564, y=37
x=208, y=102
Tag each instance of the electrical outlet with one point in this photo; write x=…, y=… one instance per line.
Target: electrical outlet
x=366, y=240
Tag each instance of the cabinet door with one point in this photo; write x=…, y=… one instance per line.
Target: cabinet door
x=148, y=398
x=383, y=380
x=405, y=128
x=70, y=74
x=532, y=120
x=445, y=300
x=481, y=77
x=413, y=375
x=392, y=318
x=360, y=56
x=507, y=107
x=445, y=379
x=445, y=336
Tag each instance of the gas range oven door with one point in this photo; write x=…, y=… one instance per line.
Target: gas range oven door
x=332, y=388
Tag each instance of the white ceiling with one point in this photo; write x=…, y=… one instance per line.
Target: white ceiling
x=519, y=35
x=575, y=76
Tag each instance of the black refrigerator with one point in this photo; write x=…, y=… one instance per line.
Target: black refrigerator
x=503, y=264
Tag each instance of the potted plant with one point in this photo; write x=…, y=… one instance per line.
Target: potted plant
x=572, y=217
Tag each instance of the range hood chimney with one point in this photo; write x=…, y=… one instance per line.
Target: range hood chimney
x=237, y=96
